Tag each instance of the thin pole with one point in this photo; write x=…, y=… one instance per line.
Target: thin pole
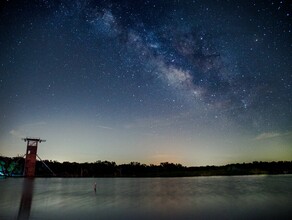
x=46, y=165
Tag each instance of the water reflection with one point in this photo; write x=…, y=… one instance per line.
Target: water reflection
x=241, y=197
x=26, y=199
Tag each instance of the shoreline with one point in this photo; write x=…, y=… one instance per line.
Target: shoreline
x=13, y=167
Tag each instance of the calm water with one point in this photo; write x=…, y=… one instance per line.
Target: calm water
x=239, y=197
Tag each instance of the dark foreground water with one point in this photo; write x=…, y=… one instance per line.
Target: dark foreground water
x=238, y=197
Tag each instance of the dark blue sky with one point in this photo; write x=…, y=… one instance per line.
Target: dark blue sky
x=193, y=82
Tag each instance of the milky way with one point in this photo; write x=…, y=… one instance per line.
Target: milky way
x=212, y=75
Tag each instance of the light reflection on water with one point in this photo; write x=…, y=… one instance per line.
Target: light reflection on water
x=237, y=197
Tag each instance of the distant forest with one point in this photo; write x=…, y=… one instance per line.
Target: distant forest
x=14, y=167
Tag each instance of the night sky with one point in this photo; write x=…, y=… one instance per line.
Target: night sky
x=190, y=82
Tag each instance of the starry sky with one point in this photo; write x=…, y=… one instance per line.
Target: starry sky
x=190, y=82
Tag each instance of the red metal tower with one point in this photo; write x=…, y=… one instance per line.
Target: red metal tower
x=31, y=153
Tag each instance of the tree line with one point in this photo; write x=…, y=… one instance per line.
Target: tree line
x=14, y=167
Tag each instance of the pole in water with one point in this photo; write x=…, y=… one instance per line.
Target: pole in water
x=94, y=187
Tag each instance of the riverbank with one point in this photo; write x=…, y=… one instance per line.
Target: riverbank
x=14, y=166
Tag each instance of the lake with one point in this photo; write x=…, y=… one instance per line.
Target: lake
x=233, y=197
